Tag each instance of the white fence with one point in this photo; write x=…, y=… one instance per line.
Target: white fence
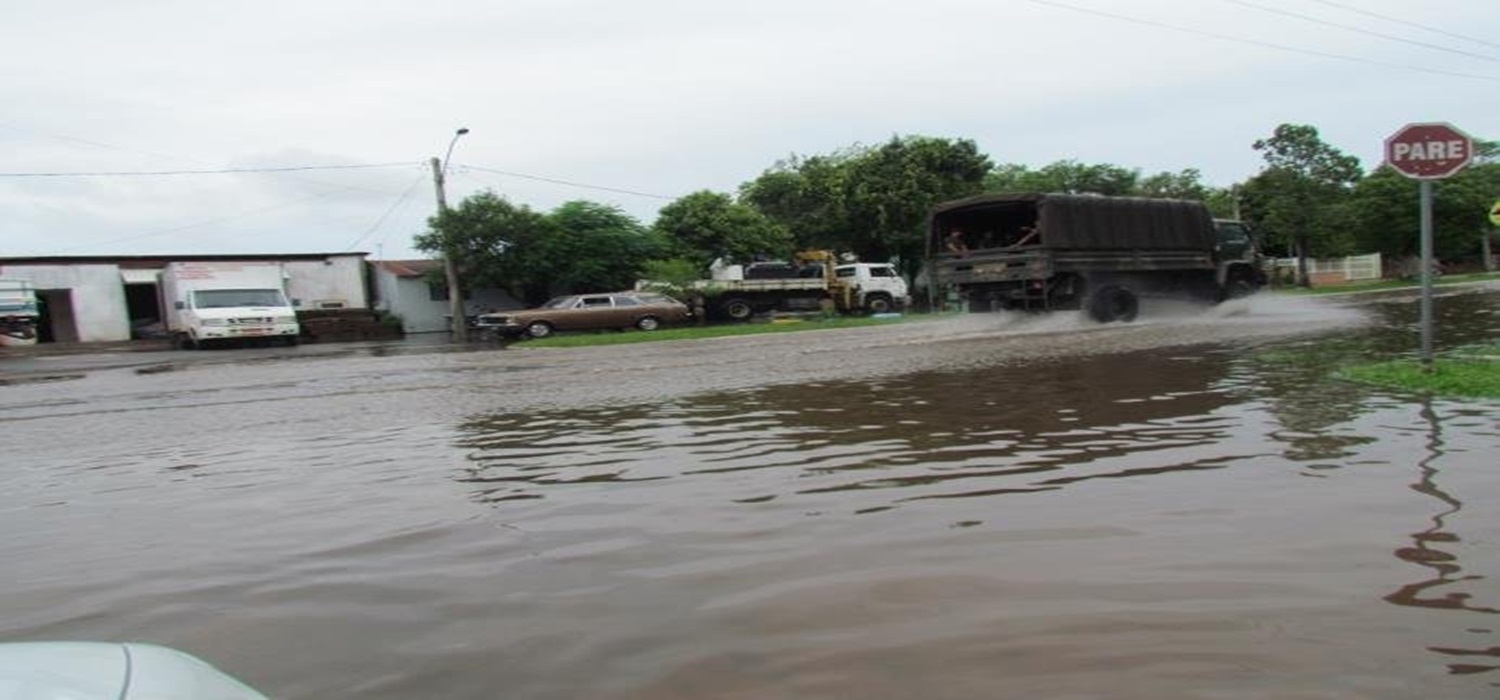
x=1350, y=269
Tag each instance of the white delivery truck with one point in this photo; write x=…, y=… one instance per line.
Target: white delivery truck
x=18, y=313
x=210, y=303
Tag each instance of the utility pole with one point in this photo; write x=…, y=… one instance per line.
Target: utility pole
x=458, y=323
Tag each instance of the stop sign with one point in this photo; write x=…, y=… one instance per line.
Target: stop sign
x=1430, y=151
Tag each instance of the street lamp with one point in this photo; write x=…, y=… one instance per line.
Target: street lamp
x=458, y=323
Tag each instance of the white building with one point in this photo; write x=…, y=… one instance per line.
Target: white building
x=110, y=298
x=404, y=288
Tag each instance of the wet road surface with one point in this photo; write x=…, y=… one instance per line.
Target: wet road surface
x=984, y=506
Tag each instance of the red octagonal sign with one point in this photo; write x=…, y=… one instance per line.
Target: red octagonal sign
x=1429, y=151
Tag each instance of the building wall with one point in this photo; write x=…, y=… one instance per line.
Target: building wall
x=411, y=299
x=96, y=309
x=338, y=282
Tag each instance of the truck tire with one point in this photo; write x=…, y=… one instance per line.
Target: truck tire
x=1237, y=287
x=1111, y=303
x=737, y=309
x=879, y=304
x=539, y=329
x=648, y=323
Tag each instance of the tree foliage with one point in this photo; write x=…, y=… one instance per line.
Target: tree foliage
x=1300, y=200
x=491, y=240
x=1388, y=209
x=597, y=247
x=706, y=225
x=869, y=201
x=578, y=247
x=1067, y=176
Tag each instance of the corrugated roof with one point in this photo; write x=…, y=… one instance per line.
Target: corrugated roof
x=408, y=268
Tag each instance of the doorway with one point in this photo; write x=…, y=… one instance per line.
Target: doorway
x=56, y=322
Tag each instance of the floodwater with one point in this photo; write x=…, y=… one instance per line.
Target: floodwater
x=1187, y=507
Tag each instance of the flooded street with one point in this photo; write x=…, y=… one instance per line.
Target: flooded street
x=972, y=507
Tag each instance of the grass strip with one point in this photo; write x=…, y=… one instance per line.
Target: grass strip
x=574, y=340
x=1383, y=285
x=1470, y=371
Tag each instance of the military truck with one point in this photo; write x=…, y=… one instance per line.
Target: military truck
x=1042, y=252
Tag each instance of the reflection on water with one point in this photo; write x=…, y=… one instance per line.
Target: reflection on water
x=880, y=444
x=1428, y=550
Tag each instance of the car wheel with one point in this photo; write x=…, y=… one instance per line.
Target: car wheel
x=879, y=304
x=539, y=329
x=648, y=323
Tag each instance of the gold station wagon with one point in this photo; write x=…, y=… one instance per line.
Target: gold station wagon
x=646, y=311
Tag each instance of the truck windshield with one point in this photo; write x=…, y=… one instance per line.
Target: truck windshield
x=226, y=298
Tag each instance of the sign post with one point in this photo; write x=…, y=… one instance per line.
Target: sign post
x=1489, y=253
x=1426, y=152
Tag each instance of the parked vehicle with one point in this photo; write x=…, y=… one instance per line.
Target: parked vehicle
x=18, y=313
x=112, y=671
x=221, y=302
x=645, y=311
x=813, y=280
x=1042, y=252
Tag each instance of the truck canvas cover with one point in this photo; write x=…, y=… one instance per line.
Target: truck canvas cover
x=1075, y=222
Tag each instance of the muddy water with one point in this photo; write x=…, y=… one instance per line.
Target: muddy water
x=1184, y=508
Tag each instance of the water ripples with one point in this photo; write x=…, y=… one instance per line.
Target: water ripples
x=930, y=436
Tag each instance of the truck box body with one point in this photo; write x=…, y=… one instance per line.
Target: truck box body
x=18, y=312
x=1052, y=251
x=215, y=302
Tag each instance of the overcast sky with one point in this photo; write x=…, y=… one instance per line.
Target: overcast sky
x=635, y=103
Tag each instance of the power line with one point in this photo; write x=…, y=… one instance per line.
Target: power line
x=1424, y=27
x=399, y=201
x=205, y=222
x=1357, y=30
x=1257, y=42
x=569, y=183
x=220, y=171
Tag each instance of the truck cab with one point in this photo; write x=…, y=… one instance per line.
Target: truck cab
x=220, y=303
x=1241, y=265
x=874, y=287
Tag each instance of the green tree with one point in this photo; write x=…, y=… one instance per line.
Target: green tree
x=1066, y=176
x=872, y=202
x=806, y=197
x=890, y=191
x=1299, y=199
x=706, y=225
x=1387, y=209
x=493, y=242
x=1187, y=184
x=597, y=247
x=578, y=247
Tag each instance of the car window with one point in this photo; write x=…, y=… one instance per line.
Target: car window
x=844, y=271
x=595, y=303
x=882, y=271
x=560, y=303
x=627, y=301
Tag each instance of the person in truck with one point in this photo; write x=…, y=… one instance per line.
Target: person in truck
x=955, y=242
